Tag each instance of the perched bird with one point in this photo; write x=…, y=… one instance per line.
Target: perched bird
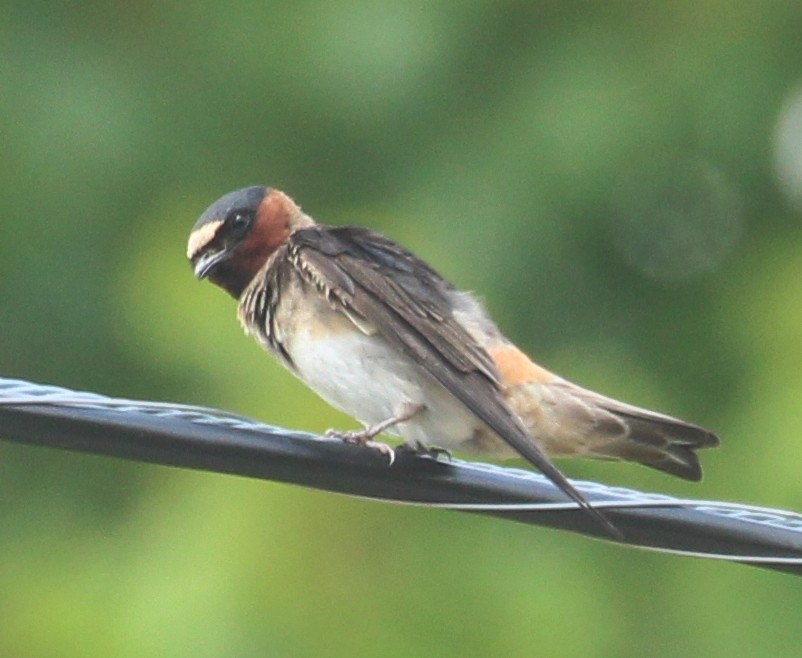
x=379, y=334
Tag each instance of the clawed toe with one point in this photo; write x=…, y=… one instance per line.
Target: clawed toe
x=436, y=452
x=349, y=436
x=421, y=450
x=382, y=448
x=363, y=438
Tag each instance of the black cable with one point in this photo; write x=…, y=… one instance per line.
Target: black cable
x=211, y=440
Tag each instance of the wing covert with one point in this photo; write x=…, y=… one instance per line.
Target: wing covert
x=363, y=273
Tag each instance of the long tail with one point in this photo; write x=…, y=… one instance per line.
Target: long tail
x=571, y=421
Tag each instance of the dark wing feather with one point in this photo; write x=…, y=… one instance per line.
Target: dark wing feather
x=409, y=304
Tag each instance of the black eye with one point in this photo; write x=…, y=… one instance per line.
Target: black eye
x=239, y=221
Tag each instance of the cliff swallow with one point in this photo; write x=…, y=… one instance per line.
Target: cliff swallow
x=379, y=334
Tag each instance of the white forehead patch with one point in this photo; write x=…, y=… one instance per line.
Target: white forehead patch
x=200, y=237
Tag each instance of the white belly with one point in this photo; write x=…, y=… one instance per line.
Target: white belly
x=362, y=376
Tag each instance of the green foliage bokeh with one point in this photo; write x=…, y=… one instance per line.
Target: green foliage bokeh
x=619, y=181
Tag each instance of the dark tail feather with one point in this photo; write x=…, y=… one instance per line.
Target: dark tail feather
x=662, y=443
x=616, y=430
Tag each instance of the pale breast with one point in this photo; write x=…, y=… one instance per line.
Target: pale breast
x=355, y=370
x=351, y=366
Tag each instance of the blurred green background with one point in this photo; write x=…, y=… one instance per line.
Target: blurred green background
x=621, y=182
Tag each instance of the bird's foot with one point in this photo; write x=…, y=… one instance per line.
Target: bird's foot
x=422, y=450
x=363, y=438
x=360, y=437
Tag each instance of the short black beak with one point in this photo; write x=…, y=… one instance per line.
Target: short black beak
x=207, y=262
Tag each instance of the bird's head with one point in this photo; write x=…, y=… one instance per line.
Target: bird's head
x=236, y=235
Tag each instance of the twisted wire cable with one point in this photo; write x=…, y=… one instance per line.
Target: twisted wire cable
x=217, y=441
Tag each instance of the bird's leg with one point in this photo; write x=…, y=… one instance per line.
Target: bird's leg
x=365, y=437
x=406, y=411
